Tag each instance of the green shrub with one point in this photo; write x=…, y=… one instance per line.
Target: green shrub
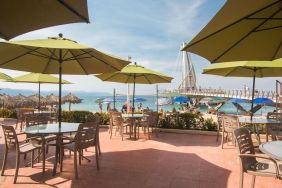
x=7, y=113
x=210, y=125
x=75, y=116
x=187, y=121
x=83, y=116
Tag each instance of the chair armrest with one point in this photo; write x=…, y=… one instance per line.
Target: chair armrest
x=20, y=133
x=31, y=138
x=262, y=157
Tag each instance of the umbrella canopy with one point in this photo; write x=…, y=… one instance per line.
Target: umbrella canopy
x=110, y=100
x=135, y=74
x=5, y=77
x=18, y=17
x=40, y=79
x=237, y=100
x=263, y=101
x=163, y=101
x=181, y=99
x=52, y=99
x=241, y=30
x=247, y=69
x=71, y=99
x=46, y=55
x=57, y=55
x=139, y=99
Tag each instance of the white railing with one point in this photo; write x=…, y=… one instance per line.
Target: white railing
x=234, y=93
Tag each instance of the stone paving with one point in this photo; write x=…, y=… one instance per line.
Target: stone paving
x=169, y=160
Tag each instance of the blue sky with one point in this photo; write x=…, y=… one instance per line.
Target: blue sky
x=150, y=31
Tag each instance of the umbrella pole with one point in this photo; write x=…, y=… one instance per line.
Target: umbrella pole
x=253, y=93
x=60, y=87
x=133, y=96
x=114, y=98
x=157, y=97
x=39, y=97
x=252, y=106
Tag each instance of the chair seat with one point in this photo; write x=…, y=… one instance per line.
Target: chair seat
x=70, y=146
x=27, y=147
x=47, y=138
x=263, y=167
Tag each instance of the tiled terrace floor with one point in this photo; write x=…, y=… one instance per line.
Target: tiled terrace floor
x=169, y=160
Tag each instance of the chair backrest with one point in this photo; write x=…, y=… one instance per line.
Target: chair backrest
x=116, y=119
x=36, y=119
x=230, y=122
x=274, y=115
x=220, y=118
x=154, y=120
x=87, y=134
x=275, y=130
x=245, y=144
x=10, y=136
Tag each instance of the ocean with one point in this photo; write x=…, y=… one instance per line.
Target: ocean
x=89, y=103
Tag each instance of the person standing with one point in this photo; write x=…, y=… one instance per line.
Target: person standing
x=109, y=107
x=100, y=106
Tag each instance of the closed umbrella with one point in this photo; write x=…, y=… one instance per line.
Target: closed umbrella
x=18, y=17
x=57, y=55
x=242, y=30
x=40, y=79
x=135, y=74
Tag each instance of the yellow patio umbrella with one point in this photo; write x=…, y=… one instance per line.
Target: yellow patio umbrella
x=40, y=79
x=57, y=55
x=18, y=17
x=242, y=30
x=135, y=74
x=5, y=77
x=247, y=69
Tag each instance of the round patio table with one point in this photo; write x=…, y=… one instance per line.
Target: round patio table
x=53, y=128
x=258, y=121
x=272, y=149
x=133, y=118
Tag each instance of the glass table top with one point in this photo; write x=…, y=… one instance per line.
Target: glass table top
x=273, y=149
x=52, y=128
x=258, y=120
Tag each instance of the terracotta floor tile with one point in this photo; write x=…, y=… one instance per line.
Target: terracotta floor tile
x=166, y=161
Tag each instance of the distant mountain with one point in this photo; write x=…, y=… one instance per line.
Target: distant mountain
x=26, y=92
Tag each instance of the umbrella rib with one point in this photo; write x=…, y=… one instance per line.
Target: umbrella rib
x=66, y=53
x=110, y=77
x=101, y=60
x=77, y=56
x=18, y=56
x=269, y=28
x=4, y=36
x=254, y=29
x=48, y=62
x=128, y=78
x=147, y=79
x=73, y=10
x=79, y=63
x=277, y=50
x=210, y=35
x=40, y=54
